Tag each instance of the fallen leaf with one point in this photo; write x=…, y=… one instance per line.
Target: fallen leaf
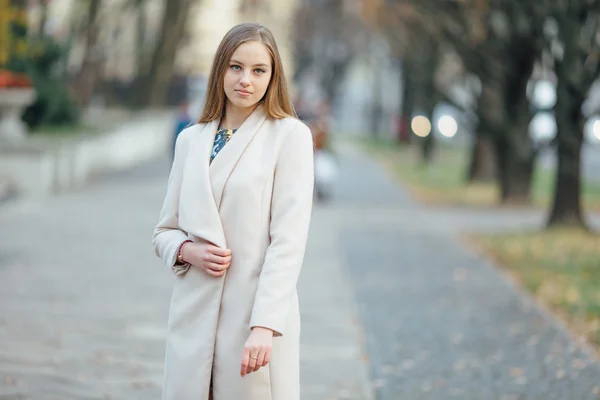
x=516, y=372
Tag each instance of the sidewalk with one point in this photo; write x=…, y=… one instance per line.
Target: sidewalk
x=84, y=301
x=439, y=322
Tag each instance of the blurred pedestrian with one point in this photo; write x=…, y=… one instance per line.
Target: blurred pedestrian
x=325, y=162
x=233, y=229
x=183, y=120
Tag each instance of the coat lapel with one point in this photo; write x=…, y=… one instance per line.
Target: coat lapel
x=198, y=212
x=224, y=163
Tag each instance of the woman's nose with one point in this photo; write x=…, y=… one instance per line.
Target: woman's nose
x=245, y=79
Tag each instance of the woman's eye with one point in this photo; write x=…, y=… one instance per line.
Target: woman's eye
x=259, y=71
x=236, y=67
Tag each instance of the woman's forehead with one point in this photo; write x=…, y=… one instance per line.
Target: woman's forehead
x=252, y=53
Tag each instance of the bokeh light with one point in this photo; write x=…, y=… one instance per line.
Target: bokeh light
x=421, y=126
x=447, y=126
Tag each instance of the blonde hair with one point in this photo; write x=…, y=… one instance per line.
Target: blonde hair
x=276, y=99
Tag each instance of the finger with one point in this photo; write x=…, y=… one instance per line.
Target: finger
x=213, y=272
x=245, y=361
x=252, y=356
x=222, y=260
x=217, y=267
x=260, y=360
x=211, y=258
x=219, y=251
x=267, y=358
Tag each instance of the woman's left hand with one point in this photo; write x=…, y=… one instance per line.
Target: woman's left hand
x=257, y=350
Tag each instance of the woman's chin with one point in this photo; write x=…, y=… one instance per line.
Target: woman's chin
x=243, y=102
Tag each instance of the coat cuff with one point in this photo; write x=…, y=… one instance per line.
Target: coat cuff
x=179, y=269
x=275, y=326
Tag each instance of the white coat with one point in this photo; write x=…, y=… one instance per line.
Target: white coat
x=255, y=198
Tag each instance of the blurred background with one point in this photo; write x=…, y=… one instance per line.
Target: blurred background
x=454, y=249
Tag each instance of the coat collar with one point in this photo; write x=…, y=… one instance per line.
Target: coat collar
x=224, y=163
x=203, y=182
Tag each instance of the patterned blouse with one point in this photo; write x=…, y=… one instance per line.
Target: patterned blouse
x=221, y=139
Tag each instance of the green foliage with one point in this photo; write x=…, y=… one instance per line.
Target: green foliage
x=54, y=104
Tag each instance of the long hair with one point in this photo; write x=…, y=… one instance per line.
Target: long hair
x=276, y=99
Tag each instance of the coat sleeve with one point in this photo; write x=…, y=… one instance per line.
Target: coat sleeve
x=291, y=209
x=167, y=235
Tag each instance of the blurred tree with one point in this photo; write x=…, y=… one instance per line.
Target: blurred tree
x=173, y=29
x=54, y=104
x=143, y=47
x=327, y=36
x=498, y=41
x=304, y=22
x=421, y=51
x=574, y=34
x=140, y=37
x=138, y=7
x=417, y=47
x=91, y=66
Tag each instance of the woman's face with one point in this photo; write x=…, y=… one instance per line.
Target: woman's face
x=248, y=75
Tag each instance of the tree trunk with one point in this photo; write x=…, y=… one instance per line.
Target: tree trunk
x=406, y=106
x=335, y=72
x=507, y=116
x=482, y=167
x=90, y=67
x=376, y=106
x=515, y=172
x=566, y=207
x=141, y=38
x=427, y=148
x=161, y=69
x=428, y=142
x=141, y=77
x=515, y=154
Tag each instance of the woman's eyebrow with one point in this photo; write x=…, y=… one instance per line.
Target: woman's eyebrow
x=255, y=65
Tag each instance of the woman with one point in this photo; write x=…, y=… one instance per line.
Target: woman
x=233, y=228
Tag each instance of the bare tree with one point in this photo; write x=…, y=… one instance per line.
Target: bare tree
x=90, y=69
x=173, y=29
x=415, y=43
x=138, y=7
x=576, y=47
x=327, y=36
x=498, y=41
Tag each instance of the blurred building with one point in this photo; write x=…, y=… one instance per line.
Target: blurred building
x=208, y=23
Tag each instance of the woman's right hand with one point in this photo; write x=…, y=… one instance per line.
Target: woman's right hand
x=207, y=257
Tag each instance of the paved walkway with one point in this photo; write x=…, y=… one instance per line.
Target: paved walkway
x=439, y=322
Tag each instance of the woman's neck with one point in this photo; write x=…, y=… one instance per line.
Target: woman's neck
x=234, y=116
